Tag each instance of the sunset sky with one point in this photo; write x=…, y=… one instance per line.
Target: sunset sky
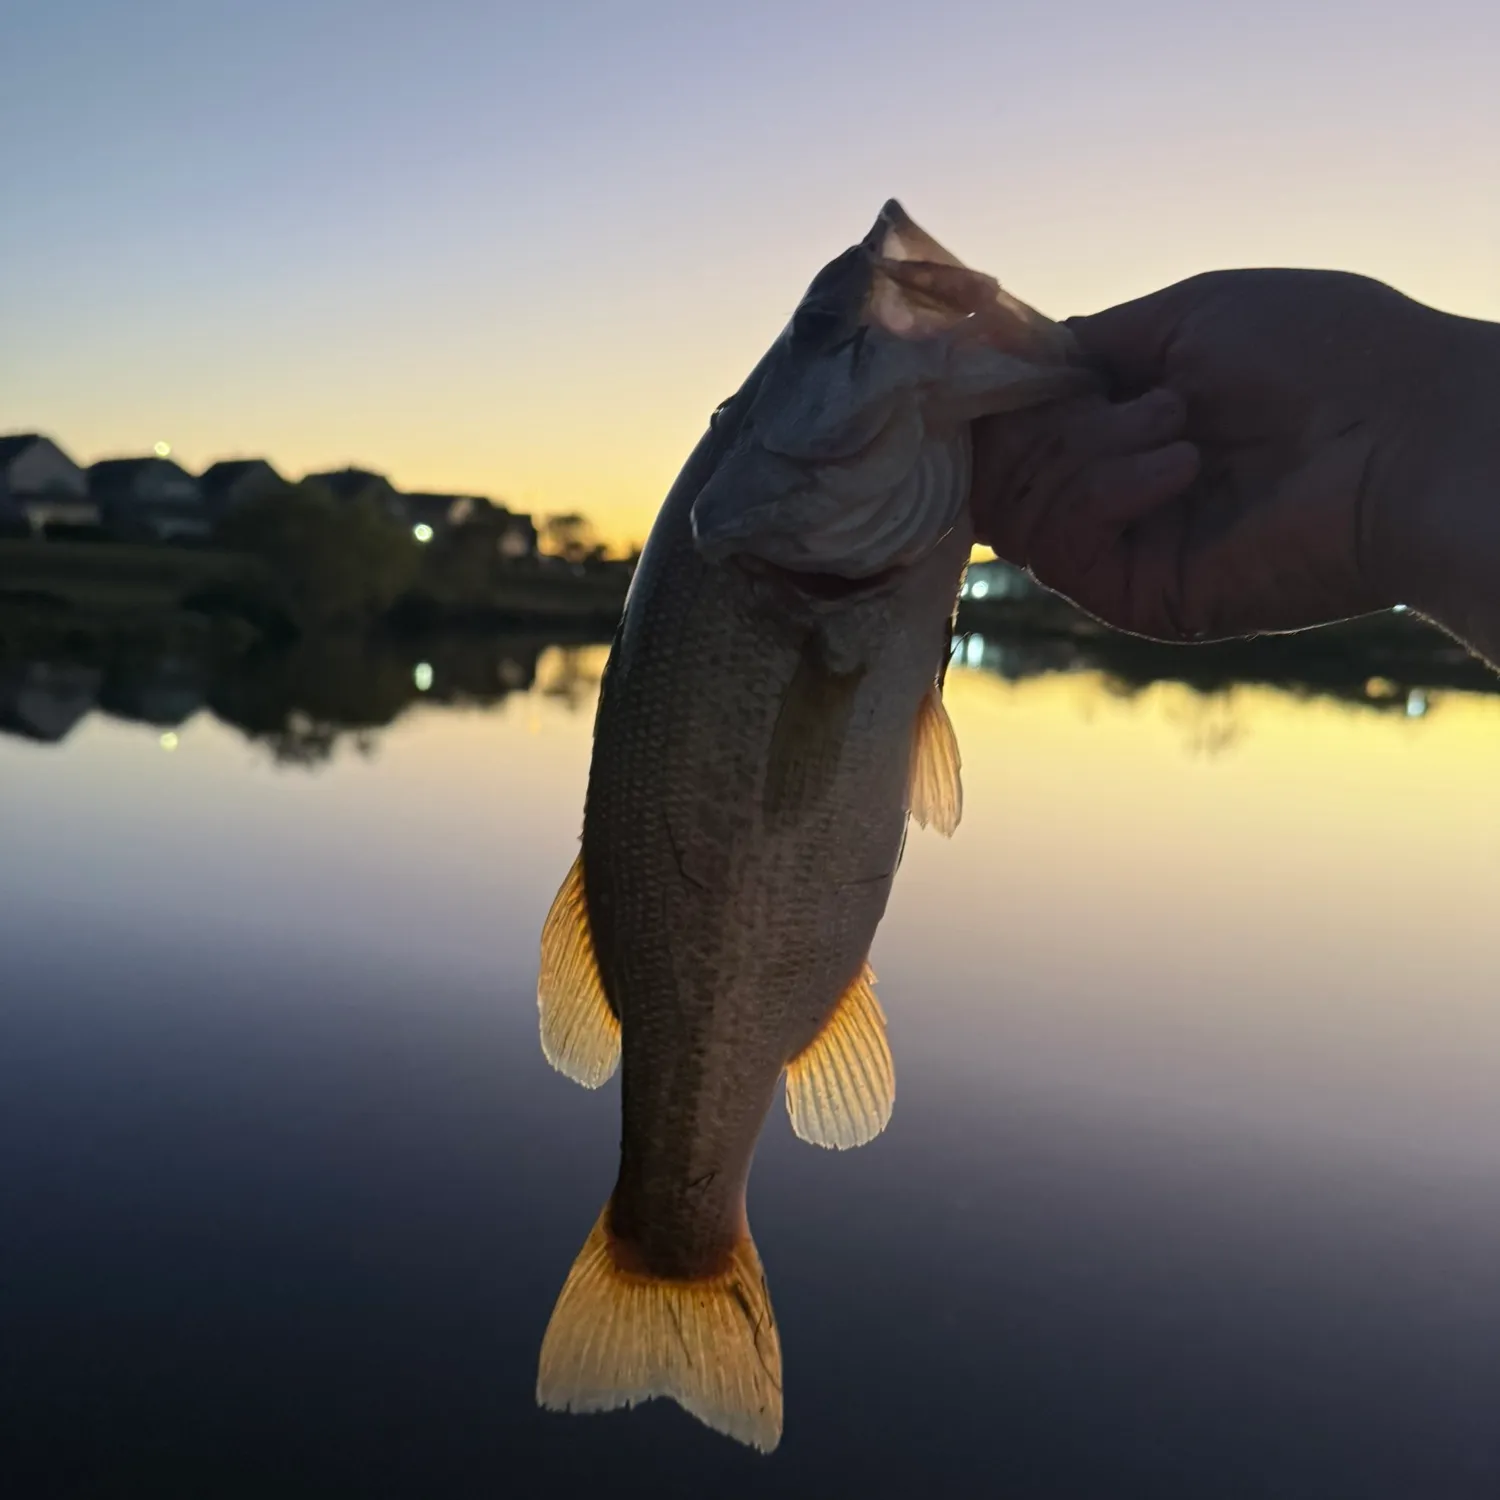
x=525, y=249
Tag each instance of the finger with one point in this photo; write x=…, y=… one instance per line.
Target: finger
x=1088, y=551
x=1123, y=490
x=1122, y=427
x=1130, y=343
x=1027, y=463
x=1087, y=427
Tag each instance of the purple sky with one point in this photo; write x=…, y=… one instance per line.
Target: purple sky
x=526, y=248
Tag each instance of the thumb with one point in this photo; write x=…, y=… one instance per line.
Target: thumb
x=1129, y=343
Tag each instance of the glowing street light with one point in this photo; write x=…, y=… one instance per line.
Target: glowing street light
x=421, y=676
x=161, y=449
x=422, y=531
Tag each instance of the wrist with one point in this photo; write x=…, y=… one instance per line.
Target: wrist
x=1441, y=550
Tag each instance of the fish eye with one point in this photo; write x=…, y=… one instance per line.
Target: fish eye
x=817, y=322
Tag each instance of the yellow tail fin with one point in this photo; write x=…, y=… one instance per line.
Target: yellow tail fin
x=618, y=1338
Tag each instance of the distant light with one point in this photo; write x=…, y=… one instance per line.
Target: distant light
x=1380, y=687
x=980, y=587
x=1416, y=703
x=422, y=531
x=169, y=741
x=974, y=650
x=1400, y=609
x=162, y=449
x=422, y=675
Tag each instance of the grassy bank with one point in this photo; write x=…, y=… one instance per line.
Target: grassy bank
x=92, y=586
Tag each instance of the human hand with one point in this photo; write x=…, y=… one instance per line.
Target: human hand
x=1275, y=462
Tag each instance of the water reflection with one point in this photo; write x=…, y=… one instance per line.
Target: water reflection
x=44, y=701
x=1190, y=1191
x=301, y=702
x=1388, y=671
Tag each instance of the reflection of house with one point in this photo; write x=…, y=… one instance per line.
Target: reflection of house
x=233, y=481
x=514, y=536
x=148, y=497
x=43, y=702
x=360, y=487
x=41, y=486
x=164, y=692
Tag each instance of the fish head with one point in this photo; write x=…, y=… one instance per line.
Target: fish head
x=848, y=452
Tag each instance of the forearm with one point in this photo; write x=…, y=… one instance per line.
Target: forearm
x=1452, y=543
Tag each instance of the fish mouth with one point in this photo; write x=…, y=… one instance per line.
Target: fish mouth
x=896, y=236
x=851, y=457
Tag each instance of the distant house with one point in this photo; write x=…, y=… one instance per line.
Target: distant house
x=149, y=498
x=514, y=536
x=360, y=486
x=440, y=512
x=233, y=481
x=164, y=692
x=41, y=486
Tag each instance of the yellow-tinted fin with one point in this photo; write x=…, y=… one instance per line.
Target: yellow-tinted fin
x=937, y=793
x=841, y=1088
x=580, y=1033
x=618, y=1338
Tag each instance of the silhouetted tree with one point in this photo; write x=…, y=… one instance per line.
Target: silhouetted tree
x=571, y=537
x=329, y=562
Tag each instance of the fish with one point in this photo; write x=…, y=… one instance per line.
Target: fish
x=769, y=721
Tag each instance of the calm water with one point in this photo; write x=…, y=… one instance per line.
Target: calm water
x=1192, y=1189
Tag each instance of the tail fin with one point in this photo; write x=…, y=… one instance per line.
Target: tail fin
x=618, y=1338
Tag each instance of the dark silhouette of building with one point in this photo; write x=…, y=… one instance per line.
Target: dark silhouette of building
x=41, y=486
x=360, y=486
x=233, y=481
x=513, y=536
x=148, y=499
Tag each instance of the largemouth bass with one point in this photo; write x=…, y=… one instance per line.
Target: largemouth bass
x=770, y=717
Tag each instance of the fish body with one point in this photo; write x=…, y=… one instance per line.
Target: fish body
x=769, y=719
x=745, y=815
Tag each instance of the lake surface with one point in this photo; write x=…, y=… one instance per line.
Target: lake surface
x=1192, y=1188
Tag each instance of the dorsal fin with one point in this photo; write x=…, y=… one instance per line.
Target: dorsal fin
x=937, y=793
x=841, y=1087
x=580, y=1031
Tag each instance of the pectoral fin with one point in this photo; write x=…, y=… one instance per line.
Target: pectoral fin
x=937, y=794
x=580, y=1032
x=841, y=1087
x=809, y=736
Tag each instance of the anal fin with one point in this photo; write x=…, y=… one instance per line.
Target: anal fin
x=936, y=794
x=841, y=1088
x=580, y=1032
